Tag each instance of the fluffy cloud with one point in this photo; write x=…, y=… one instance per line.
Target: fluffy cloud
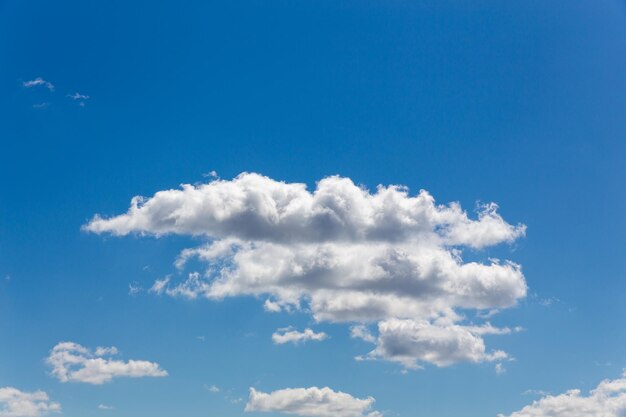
x=72, y=362
x=311, y=402
x=38, y=82
x=608, y=399
x=341, y=252
x=16, y=403
x=288, y=335
x=410, y=343
x=254, y=207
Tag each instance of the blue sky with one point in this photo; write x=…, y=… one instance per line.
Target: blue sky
x=520, y=103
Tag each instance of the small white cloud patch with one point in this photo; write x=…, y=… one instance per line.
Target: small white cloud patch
x=79, y=98
x=16, y=403
x=289, y=335
x=311, y=402
x=72, y=362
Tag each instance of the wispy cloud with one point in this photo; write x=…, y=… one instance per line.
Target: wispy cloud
x=212, y=388
x=79, y=98
x=38, y=82
x=134, y=288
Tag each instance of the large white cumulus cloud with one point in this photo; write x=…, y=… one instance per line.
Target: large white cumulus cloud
x=342, y=252
x=311, y=402
x=608, y=399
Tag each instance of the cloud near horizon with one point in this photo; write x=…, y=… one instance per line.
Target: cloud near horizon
x=608, y=399
x=72, y=362
x=16, y=403
x=311, y=402
x=343, y=253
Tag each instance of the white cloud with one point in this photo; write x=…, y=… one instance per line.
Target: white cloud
x=212, y=388
x=160, y=285
x=38, y=82
x=341, y=252
x=288, y=335
x=254, y=207
x=500, y=369
x=78, y=96
x=608, y=399
x=363, y=333
x=134, y=288
x=105, y=407
x=311, y=402
x=16, y=403
x=72, y=362
x=411, y=342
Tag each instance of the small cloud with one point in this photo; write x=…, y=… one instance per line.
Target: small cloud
x=212, y=388
x=134, y=288
x=160, y=285
x=310, y=402
x=80, y=98
x=38, y=82
x=500, y=369
x=43, y=105
x=288, y=335
x=272, y=306
x=71, y=362
x=105, y=407
x=487, y=314
x=363, y=333
x=201, y=338
x=212, y=174
x=539, y=392
x=547, y=302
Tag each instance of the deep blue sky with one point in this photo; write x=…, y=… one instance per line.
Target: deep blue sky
x=521, y=102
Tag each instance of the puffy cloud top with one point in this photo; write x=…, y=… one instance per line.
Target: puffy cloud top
x=311, y=402
x=348, y=254
x=255, y=207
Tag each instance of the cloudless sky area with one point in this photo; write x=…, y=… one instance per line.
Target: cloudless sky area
x=522, y=103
